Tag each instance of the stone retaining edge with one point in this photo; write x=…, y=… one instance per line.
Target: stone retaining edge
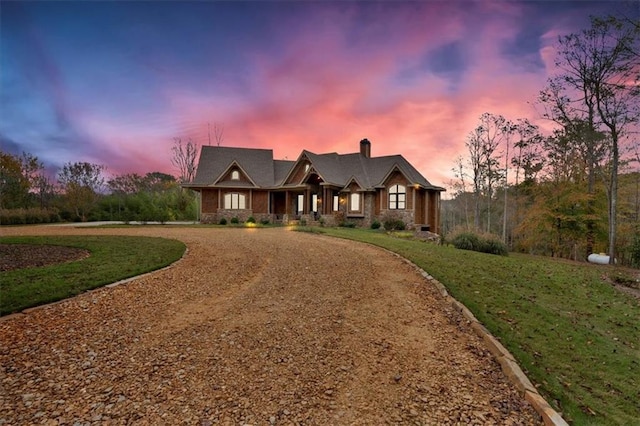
x=101, y=288
x=507, y=362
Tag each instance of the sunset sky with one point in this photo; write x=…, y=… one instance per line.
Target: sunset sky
x=114, y=82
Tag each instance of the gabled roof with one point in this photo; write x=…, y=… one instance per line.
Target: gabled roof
x=214, y=161
x=354, y=179
x=335, y=169
x=234, y=165
x=369, y=172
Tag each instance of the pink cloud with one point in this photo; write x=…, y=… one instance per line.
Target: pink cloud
x=337, y=82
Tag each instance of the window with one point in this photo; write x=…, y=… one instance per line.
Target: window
x=234, y=201
x=355, y=202
x=314, y=203
x=300, y=203
x=397, y=197
x=306, y=167
x=235, y=175
x=336, y=203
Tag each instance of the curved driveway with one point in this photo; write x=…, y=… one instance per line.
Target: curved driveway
x=253, y=326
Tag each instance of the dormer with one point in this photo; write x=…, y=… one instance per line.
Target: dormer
x=301, y=169
x=235, y=175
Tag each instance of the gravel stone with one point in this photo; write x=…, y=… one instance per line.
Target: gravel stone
x=253, y=326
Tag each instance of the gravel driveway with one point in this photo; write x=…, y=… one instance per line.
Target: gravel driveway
x=253, y=326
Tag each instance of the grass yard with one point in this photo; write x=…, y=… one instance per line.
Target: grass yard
x=113, y=258
x=574, y=335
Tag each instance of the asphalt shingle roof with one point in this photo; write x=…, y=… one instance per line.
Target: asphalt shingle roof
x=336, y=169
x=369, y=172
x=215, y=160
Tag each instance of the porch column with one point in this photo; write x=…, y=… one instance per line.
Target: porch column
x=324, y=200
x=437, y=212
x=413, y=202
x=427, y=212
x=286, y=202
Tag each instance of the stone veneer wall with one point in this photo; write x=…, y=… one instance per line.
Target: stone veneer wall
x=405, y=215
x=329, y=219
x=364, y=221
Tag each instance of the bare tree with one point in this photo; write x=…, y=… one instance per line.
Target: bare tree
x=218, y=133
x=474, y=145
x=81, y=182
x=527, y=158
x=597, y=91
x=184, y=159
x=461, y=187
x=507, y=130
x=44, y=189
x=483, y=144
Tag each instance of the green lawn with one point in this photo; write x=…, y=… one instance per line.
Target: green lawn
x=574, y=335
x=113, y=258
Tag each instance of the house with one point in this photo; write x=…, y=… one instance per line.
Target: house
x=328, y=188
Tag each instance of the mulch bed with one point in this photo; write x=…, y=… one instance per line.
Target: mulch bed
x=19, y=256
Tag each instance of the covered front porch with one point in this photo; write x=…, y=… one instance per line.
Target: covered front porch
x=312, y=202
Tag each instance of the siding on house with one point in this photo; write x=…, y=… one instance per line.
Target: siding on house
x=272, y=187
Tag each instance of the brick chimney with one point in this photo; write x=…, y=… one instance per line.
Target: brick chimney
x=365, y=148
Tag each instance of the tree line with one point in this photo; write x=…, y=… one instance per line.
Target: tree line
x=575, y=191
x=80, y=191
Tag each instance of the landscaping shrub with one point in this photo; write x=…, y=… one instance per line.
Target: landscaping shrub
x=394, y=224
x=481, y=243
x=492, y=245
x=265, y=221
x=375, y=225
x=223, y=221
x=251, y=219
x=28, y=216
x=466, y=241
x=235, y=220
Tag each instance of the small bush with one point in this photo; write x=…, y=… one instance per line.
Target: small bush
x=484, y=244
x=466, y=241
x=494, y=246
x=394, y=224
x=375, y=225
x=264, y=221
x=303, y=222
x=223, y=221
x=251, y=219
x=348, y=224
x=235, y=220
